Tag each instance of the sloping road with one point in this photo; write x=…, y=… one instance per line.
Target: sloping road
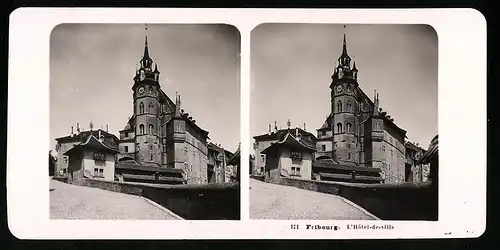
x=271, y=201
x=76, y=202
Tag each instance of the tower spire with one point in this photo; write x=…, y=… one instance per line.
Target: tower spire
x=344, y=59
x=146, y=51
x=146, y=61
x=344, y=46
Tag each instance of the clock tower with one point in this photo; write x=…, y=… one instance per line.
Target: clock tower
x=344, y=110
x=147, y=109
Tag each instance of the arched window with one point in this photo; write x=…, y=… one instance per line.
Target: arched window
x=141, y=129
x=348, y=156
x=339, y=106
x=348, y=128
x=349, y=104
x=151, y=127
x=339, y=127
x=151, y=108
x=141, y=108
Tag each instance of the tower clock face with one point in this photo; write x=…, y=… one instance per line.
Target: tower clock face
x=339, y=88
x=141, y=90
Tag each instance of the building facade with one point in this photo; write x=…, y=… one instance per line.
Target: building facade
x=357, y=132
x=92, y=159
x=159, y=132
x=66, y=143
x=274, y=135
x=289, y=157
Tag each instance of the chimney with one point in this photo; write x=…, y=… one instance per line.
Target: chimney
x=107, y=128
x=77, y=128
x=269, y=132
x=72, y=134
x=304, y=126
x=100, y=136
x=275, y=127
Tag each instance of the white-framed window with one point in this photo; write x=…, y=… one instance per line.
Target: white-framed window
x=295, y=171
x=126, y=149
x=98, y=172
x=65, y=159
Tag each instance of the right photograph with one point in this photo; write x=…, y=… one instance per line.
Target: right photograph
x=344, y=122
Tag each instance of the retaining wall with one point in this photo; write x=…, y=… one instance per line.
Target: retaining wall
x=406, y=201
x=213, y=201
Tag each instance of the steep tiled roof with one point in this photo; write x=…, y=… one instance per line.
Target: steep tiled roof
x=93, y=143
x=291, y=142
x=192, y=124
x=325, y=126
x=413, y=147
x=277, y=135
x=85, y=134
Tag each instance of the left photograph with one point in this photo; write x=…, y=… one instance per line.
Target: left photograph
x=145, y=122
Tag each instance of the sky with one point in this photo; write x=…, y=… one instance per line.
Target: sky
x=92, y=68
x=292, y=64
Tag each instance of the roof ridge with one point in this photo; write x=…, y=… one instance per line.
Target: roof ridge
x=301, y=143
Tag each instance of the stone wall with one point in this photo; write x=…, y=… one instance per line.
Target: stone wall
x=214, y=201
x=408, y=201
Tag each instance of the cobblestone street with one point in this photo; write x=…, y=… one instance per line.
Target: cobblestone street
x=77, y=202
x=271, y=201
